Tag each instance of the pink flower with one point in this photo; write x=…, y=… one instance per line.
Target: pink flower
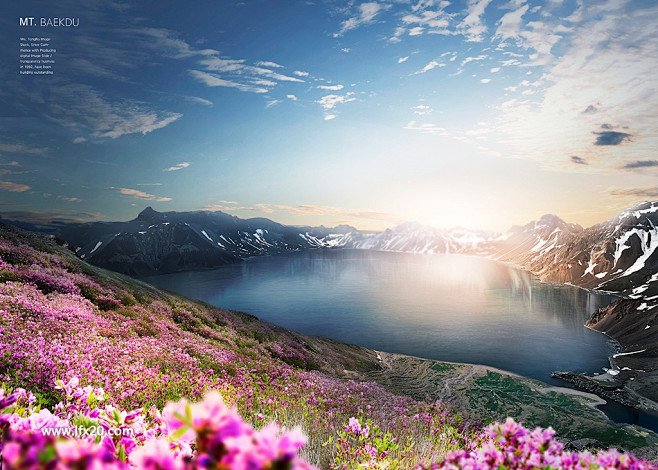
x=155, y=455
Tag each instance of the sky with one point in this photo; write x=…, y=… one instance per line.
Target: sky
x=481, y=114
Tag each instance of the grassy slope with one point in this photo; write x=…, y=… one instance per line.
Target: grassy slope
x=62, y=317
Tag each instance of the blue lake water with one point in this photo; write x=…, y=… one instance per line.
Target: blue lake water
x=442, y=307
x=451, y=308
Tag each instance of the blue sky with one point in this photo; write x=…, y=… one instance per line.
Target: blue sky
x=480, y=114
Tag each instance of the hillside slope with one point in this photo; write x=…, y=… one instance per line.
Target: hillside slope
x=64, y=319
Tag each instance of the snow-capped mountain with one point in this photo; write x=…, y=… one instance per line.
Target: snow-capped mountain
x=413, y=237
x=158, y=242
x=618, y=255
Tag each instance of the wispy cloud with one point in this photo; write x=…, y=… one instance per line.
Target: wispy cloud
x=215, y=81
x=139, y=194
x=423, y=20
x=21, y=148
x=330, y=101
x=69, y=199
x=166, y=43
x=177, y=166
x=474, y=58
x=431, y=65
x=269, y=64
x=366, y=14
x=422, y=109
x=595, y=80
x=237, y=73
x=509, y=26
x=330, y=87
x=319, y=210
x=14, y=187
x=49, y=220
x=82, y=107
x=203, y=101
x=226, y=207
x=472, y=26
x=403, y=59
x=650, y=192
x=426, y=128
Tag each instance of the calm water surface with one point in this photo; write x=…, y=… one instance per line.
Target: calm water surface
x=451, y=308
x=443, y=307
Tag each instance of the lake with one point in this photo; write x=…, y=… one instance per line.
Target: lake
x=443, y=307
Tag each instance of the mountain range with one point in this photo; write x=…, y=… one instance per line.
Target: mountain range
x=618, y=256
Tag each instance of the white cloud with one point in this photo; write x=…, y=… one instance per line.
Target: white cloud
x=430, y=21
x=331, y=87
x=271, y=103
x=165, y=42
x=330, y=101
x=79, y=140
x=426, y=128
x=178, y=166
x=509, y=26
x=471, y=26
x=430, y=66
x=14, y=187
x=269, y=64
x=329, y=117
x=422, y=109
x=366, y=14
x=80, y=106
x=203, y=101
x=139, y=194
x=140, y=123
x=494, y=70
x=485, y=80
x=403, y=59
x=236, y=73
x=21, y=148
x=615, y=76
x=291, y=97
x=471, y=59
x=69, y=199
x=214, y=81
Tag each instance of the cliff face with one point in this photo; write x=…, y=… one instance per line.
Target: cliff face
x=618, y=255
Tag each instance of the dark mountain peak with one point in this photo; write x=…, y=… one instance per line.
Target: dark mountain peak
x=149, y=215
